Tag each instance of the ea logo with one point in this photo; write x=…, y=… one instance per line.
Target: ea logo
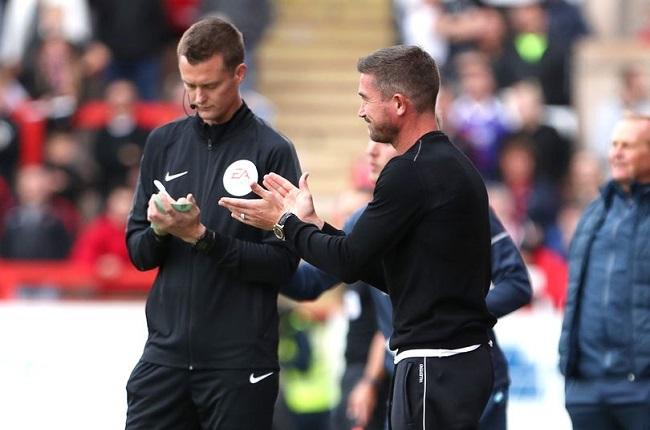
x=238, y=177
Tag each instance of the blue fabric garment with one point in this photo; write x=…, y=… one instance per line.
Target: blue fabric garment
x=606, y=296
x=624, y=332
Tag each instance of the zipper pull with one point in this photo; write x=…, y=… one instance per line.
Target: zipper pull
x=209, y=143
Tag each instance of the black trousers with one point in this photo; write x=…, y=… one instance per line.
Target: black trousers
x=161, y=397
x=447, y=393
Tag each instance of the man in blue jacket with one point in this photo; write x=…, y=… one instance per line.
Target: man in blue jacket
x=605, y=341
x=511, y=290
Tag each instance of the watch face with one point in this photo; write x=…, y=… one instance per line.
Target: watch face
x=278, y=231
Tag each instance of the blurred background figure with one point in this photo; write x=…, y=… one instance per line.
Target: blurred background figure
x=477, y=116
x=586, y=175
x=128, y=41
x=633, y=95
x=308, y=385
x=422, y=25
x=525, y=103
x=63, y=159
x=534, y=198
x=534, y=52
x=101, y=246
x=605, y=342
x=9, y=137
x=32, y=230
x=117, y=146
x=44, y=52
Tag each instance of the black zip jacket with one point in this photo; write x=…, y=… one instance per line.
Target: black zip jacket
x=217, y=309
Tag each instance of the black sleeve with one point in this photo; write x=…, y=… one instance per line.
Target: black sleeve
x=271, y=260
x=146, y=250
x=510, y=283
x=395, y=206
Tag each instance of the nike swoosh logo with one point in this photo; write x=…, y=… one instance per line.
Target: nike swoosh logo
x=169, y=177
x=255, y=379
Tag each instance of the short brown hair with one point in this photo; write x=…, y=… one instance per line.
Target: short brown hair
x=404, y=69
x=209, y=37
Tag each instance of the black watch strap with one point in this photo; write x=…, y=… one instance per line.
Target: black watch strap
x=206, y=241
x=278, y=228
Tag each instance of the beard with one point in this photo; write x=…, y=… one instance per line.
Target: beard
x=382, y=132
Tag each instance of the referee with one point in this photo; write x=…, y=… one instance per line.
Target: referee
x=210, y=360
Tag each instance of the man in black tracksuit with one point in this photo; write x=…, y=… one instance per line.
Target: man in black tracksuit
x=211, y=353
x=424, y=239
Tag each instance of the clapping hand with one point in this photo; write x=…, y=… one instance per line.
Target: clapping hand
x=277, y=197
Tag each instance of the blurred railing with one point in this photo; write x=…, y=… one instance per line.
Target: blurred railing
x=71, y=278
x=32, y=123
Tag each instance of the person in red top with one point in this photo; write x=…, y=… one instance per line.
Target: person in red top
x=101, y=245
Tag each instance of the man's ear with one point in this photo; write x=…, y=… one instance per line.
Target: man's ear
x=399, y=103
x=240, y=72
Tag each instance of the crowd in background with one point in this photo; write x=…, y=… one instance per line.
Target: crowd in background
x=502, y=68
x=100, y=75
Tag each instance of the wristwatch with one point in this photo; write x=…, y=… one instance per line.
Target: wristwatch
x=278, y=227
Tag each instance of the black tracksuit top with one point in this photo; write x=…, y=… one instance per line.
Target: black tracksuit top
x=425, y=240
x=216, y=310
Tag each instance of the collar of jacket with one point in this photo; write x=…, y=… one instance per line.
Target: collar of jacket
x=637, y=191
x=215, y=132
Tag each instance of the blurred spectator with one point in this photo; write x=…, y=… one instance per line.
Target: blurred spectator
x=54, y=78
x=566, y=20
x=9, y=139
x=101, y=244
x=27, y=21
x=502, y=203
x=118, y=146
x=6, y=201
x=585, y=177
x=12, y=93
x=32, y=230
x=49, y=66
x=130, y=36
x=553, y=152
x=181, y=14
x=309, y=389
x=633, y=95
x=534, y=197
x=548, y=269
x=605, y=340
x=477, y=115
x=63, y=156
x=533, y=52
x=491, y=38
x=560, y=237
x=420, y=26
x=62, y=159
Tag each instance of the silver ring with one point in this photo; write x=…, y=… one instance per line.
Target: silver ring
x=242, y=216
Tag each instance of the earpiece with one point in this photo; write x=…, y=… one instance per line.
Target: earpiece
x=193, y=106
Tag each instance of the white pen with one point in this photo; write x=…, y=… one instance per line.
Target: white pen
x=161, y=188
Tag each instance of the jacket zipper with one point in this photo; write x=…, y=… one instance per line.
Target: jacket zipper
x=206, y=191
